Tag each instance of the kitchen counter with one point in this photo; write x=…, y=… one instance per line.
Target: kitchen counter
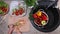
x=32, y=29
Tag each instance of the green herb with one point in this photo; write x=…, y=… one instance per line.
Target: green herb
x=30, y=2
x=30, y=15
x=2, y=3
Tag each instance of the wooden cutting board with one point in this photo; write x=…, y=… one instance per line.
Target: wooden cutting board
x=24, y=28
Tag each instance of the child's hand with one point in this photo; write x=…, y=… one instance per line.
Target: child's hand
x=11, y=28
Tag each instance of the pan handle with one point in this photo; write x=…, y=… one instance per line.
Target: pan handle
x=47, y=3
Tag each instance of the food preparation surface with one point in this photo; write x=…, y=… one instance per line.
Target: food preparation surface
x=4, y=27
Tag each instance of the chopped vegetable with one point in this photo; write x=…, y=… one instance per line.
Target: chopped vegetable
x=44, y=17
x=17, y=24
x=35, y=16
x=21, y=11
x=2, y=3
x=1, y=12
x=37, y=21
x=18, y=12
x=39, y=13
x=3, y=8
x=40, y=18
x=43, y=22
x=20, y=23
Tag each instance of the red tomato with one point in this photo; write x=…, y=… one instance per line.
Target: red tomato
x=16, y=13
x=4, y=9
x=44, y=17
x=21, y=11
x=35, y=16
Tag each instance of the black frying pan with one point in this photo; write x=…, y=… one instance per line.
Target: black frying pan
x=53, y=18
